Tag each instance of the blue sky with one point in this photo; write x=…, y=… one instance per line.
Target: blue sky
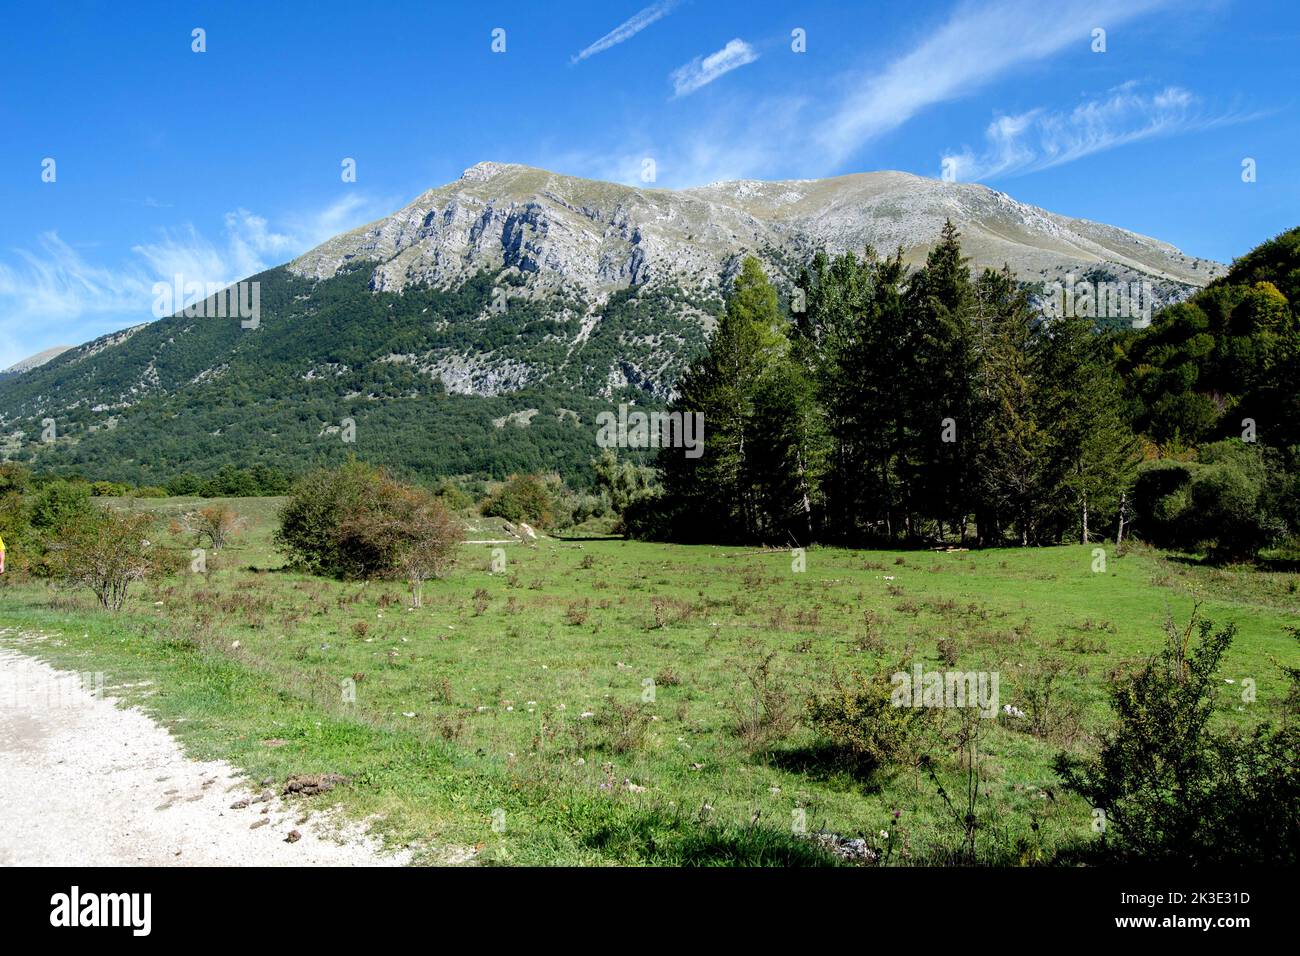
x=221, y=163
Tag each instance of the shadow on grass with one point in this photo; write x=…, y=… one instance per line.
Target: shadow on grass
x=828, y=764
x=665, y=838
x=1279, y=565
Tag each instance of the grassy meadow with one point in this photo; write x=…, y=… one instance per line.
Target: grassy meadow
x=524, y=690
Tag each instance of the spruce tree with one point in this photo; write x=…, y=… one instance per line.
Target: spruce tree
x=1009, y=441
x=938, y=397
x=715, y=491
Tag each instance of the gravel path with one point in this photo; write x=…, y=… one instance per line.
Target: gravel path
x=86, y=783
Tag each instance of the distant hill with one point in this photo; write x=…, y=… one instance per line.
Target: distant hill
x=35, y=361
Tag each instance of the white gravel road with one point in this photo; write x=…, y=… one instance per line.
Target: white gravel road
x=84, y=782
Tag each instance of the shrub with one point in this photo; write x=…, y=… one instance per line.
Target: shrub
x=356, y=522
x=311, y=521
x=1175, y=789
x=860, y=722
x=622, y=728
x=1232, y=502
x=111, y=489
x=59, y=503
x=184, y=485
x=1234, y=499
x=14, y=481
x=215, y=525
x=410, y=532
x=622, y=482
x=653, y=517
x=1051, y=712
x=454, y=498
x=107, y=552
x=521, y=498
x=667, y=677
x=577, y=613
x=764, y=710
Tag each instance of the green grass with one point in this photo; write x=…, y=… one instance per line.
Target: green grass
x=498, y=670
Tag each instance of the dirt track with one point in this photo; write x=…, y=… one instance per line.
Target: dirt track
x=86, y=783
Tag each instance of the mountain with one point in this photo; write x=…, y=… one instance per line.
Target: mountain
x=481, y=327
x=563, y=231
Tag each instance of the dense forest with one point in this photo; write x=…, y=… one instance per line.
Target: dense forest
x=883, y=405
x=187, y=394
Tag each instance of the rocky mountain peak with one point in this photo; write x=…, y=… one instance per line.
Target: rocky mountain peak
x=598, y=237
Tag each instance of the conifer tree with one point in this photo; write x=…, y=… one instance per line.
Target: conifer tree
x=717, y=487
x=938, y=397
x=1009, y=441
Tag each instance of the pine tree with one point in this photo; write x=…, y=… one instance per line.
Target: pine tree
x=938, y=397
x=715, y=491
x=1008, y=471
x=865, y=358
x=1091, y=458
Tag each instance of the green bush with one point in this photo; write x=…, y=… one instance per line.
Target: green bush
x=356, y=522
x=312, y=521
x=15, y=480
x=453, y=497
x=107, y=551
x=521, y=498
x=109, y=489
x=1172, y=788
x=59, y=503
x=622, y=482
x=184, y=486
x=1232, y=502
x=1161, y=499
x=860, y=722
x=230, y=482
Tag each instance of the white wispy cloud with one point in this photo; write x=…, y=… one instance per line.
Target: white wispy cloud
x=247, y=246
x=976, y=45
x=703, y=70
x=52, y=293
x=627, y=29
x=798, y=133
x=1041, y=138
x=53, y=281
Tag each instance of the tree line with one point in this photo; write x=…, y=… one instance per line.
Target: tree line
x=881, y=404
